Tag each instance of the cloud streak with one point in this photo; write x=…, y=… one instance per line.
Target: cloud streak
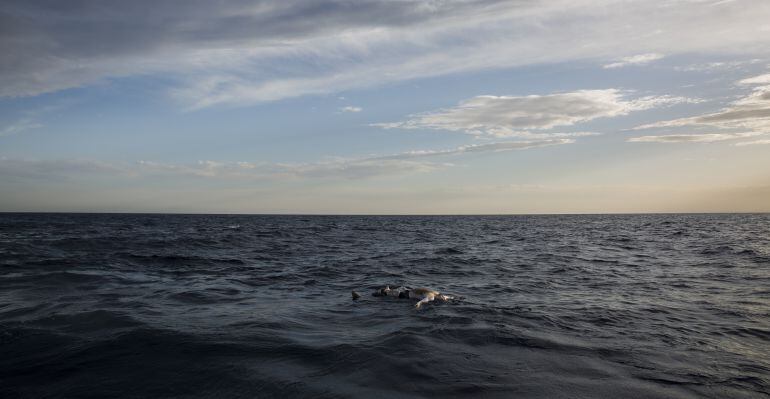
x=641, y=59
x=750, y=113
x=755, y=142
x=347, y=168
x=691, y=138
x=234, y=53
x=509, y=116
x=351, y=109
x=338, y=168
x=19, y=126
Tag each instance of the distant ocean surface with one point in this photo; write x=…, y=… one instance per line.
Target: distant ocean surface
x=183, y=306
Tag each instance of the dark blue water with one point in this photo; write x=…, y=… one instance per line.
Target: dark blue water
x=643, y=306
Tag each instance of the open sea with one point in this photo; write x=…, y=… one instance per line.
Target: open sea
x=189, y=306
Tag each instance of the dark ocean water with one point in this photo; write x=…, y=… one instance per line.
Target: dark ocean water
x=642, y=306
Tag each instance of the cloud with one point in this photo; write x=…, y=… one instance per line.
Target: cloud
x=363, y=167
x=749, y=113
x=19, y=126
x=351, y=109
x=505, y=116
x=30, y=118
x=232, y=52
x=56, y=170
x=691, y=138
x=641, y=59
x=50, y=169
x=337, y=168
x=331, y=169
x=755, y=142
x=717, y=66
x=756, y=80
x=481, y=148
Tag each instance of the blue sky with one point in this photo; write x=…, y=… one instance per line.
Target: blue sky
x=380, y=106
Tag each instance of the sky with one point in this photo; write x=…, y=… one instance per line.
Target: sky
x=385, y=106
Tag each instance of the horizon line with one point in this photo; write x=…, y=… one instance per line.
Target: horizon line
x=387, y=214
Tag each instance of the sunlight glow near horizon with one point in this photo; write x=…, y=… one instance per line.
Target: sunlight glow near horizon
x=379, y=107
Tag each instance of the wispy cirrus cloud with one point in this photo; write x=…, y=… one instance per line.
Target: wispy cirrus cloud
x=31, y=118
x=360, y=168
x=50, y=169
x=750, y=113
x=232, y=52
x=351, y=109
x=755, y=142
x=20, y=125
x=481, y=148
x=409, y=162
x=509, y=116
x=640, y=59
x=691, y=138
x=717, y=66
x=756, y=80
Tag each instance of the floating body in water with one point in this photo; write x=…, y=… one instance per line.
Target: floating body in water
x=423, y=295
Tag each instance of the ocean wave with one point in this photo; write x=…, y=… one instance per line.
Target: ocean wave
x=260, y=306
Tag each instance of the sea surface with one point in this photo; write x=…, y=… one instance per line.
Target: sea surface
x=189, y=306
